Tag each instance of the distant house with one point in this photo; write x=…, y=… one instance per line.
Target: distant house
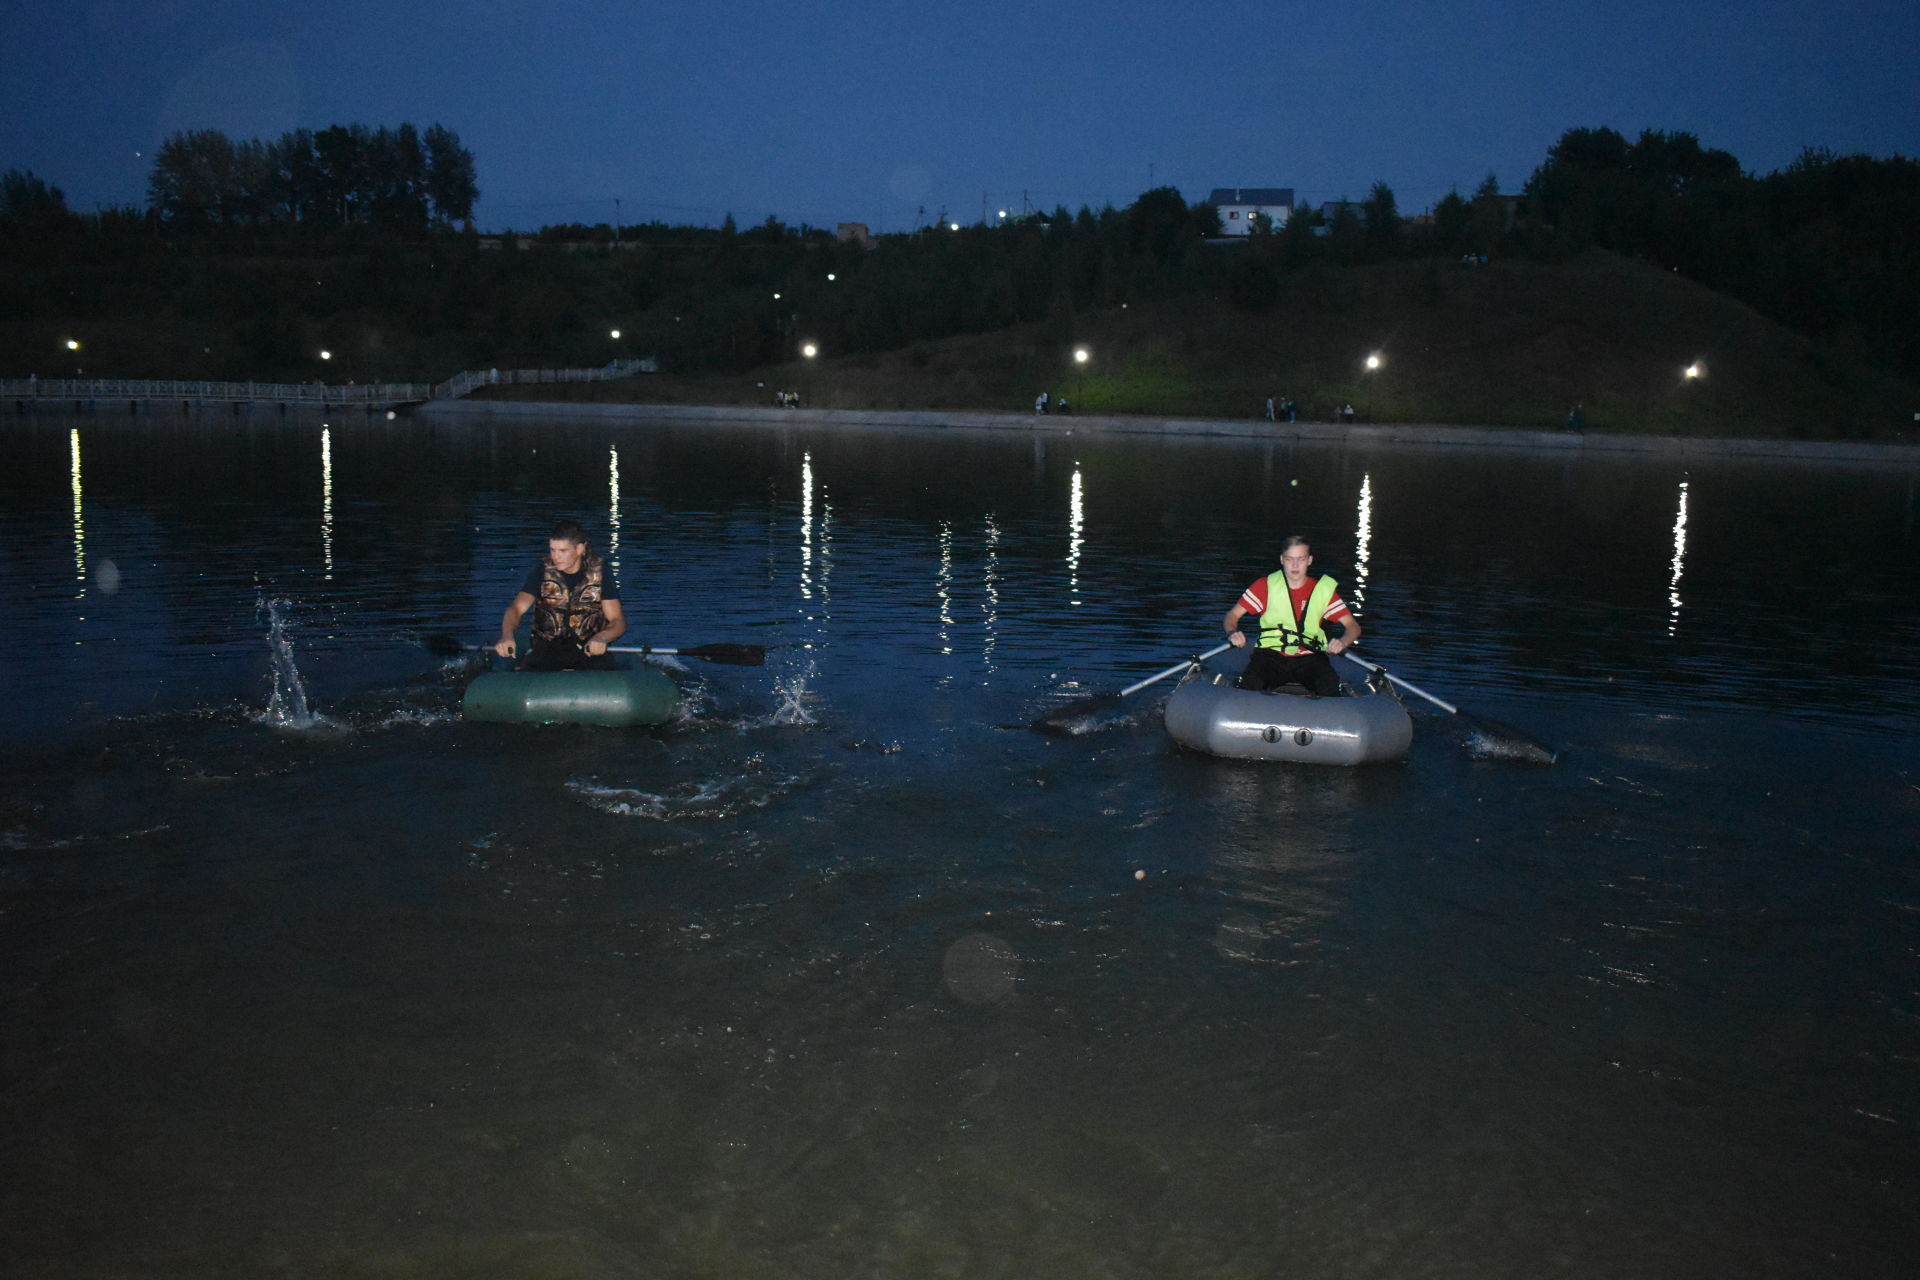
x=1240, y=205
x=853, y=233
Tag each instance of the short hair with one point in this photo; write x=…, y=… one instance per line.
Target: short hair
x=1286, y=545
x=570, y=530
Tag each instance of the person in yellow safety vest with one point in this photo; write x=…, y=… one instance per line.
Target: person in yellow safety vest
x=1292, y=604
x=576, y=606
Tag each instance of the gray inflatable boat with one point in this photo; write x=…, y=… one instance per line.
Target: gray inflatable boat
x=1207, y=713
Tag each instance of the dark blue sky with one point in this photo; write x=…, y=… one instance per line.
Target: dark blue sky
x=827, y=112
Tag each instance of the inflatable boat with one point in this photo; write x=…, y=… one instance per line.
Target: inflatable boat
x=618, y=699
x=1208, y=713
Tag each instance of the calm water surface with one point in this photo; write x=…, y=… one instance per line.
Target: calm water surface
x=847, y=973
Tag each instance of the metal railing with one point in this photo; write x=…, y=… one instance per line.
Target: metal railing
x=372, y=394
x=461, y=384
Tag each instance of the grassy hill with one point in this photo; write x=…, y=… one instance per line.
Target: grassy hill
x=1511, y=343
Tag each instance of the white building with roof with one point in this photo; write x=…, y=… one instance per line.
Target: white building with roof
x=1240, y=205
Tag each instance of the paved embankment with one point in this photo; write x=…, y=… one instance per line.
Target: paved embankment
x=1315, y=432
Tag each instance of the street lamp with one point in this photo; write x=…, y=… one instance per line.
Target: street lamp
x=1080, y=357
x=1373, y=365
x=614, y=334
x=1695, y=370
x=809, y=350
x=73, y=345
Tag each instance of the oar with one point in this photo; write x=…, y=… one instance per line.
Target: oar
x=739, y=655
x=1062, y=718
x=1507, y=740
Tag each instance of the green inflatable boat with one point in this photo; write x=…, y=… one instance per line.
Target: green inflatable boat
x=618, y=699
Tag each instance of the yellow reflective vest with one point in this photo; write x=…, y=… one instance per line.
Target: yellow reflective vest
x=1279, y=613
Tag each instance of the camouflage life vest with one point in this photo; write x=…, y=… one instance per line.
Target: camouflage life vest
x=571, y=614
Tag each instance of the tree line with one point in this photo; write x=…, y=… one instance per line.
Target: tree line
x=1829, y=246
x=399, y=180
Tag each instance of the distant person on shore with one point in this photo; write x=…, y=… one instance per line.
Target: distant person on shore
x=1576, y=419
x=1346, y=414
x=1064, y=407
x=1293, y=411
x=1040, y=403
x=576, y=607
x=1270, y=415
x=1293, y=606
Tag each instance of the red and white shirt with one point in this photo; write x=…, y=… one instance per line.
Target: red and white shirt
x=1254, y=598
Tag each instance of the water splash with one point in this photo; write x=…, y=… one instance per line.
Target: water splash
x=795, y=699
x=288, y=707
x=1127, y=715
x=718, y=798
x=1497, y=742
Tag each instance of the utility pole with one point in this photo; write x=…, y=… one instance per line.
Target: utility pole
x=616, y=222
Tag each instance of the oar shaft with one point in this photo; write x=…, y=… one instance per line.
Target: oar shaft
x=1445, y=706
x=1173, y=670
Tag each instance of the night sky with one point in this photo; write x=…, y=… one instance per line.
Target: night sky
x=890, y=113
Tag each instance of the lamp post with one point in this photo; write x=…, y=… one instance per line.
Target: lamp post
x=73, y=345
x=1080, y=357
x=1694, y=374
x=1374, y=363
x=809, y=351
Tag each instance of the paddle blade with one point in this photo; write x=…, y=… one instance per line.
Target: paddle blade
x=738, y=655
x=1071, y=719
x=446, y=646
x=1492, y=739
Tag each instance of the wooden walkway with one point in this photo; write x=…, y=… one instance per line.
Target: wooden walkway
x=86, y=395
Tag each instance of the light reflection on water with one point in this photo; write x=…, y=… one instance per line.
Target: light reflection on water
x=1362, y=544
x=1679, y=563
x=1076, y=526
x=79, y=521
x=613, y=508
x=326, y=501
x=842, y=976
x=944, y=590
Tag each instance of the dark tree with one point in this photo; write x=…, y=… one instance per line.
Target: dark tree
x=451, y=184
x=190, y=187
x=27, y=201
x=1452, y=220
x=1382, y=221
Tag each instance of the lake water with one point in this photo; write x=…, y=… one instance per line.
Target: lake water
x=848, y=972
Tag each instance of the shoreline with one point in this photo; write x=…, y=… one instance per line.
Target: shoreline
x=1254, y=429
